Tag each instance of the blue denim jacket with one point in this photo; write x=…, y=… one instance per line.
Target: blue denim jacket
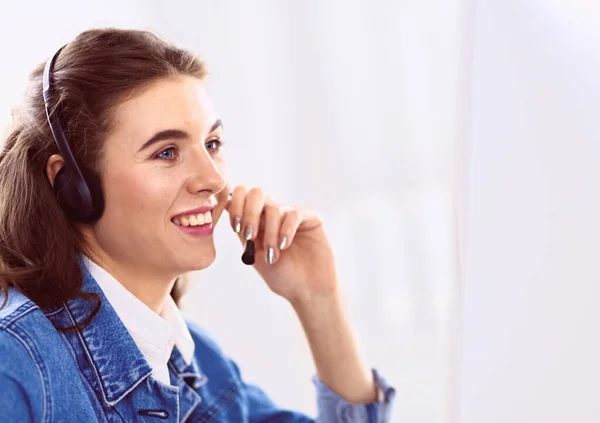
x=99, y=375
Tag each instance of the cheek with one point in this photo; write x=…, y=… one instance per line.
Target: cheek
x=137, y=196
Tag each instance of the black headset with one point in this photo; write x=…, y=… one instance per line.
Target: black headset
x=77, y=188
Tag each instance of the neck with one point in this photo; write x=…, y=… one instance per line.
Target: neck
x=149, y=286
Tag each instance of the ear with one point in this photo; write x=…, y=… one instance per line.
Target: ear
x=54, y=164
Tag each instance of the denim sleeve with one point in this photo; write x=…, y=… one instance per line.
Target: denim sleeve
x=262, y=409
x=14, y=401
x=331, y=407
x=334, y=409
x=21, y=387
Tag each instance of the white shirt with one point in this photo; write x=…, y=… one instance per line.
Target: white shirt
x=155, y=335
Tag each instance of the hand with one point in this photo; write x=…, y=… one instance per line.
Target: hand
x=304, y=273
x=303, y=264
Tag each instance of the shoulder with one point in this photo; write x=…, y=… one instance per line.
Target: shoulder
x=209, y=354
x=202, y=338
x=28, y=340
x=22, y=372
x=20, y=319
x=205, y=346
x=225, y=378
x=15, y=319
x=17, y=306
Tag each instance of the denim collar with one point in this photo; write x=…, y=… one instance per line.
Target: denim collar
x=111, y=361
x=117, y=363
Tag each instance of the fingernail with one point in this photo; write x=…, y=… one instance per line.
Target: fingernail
x=283, y=242
x=248, y=232
x=270, y=255
x=237, y=225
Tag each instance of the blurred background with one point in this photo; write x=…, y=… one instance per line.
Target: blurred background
x=452, y=149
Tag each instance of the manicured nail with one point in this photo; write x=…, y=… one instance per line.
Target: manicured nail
x=283, y=242
x=248, y=232
x=270, y=255
x=237, y=225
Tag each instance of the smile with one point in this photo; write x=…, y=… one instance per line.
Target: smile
x=196, y=219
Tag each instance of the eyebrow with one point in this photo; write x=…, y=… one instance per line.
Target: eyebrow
x=175, y=134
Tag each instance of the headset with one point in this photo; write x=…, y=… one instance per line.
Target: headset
x=77, y=188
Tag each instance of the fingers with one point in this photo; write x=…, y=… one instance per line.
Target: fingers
x=236, y=208
x=273, y=227
x=270, y=227
x=253, y=208
x=289, y=225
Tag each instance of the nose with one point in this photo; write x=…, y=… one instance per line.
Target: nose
x=207, y=177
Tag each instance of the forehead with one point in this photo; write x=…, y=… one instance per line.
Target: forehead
x=175, y=103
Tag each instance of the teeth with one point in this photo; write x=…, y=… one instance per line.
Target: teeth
x=194, y=219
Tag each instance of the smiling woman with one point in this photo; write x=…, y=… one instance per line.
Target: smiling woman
x=116, y=154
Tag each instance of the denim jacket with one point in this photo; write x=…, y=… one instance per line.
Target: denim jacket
x=98, y=374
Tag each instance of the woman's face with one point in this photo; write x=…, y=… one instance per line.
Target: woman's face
x=162, y=165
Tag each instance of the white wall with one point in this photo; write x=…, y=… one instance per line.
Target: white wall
x=345, y=106
x=364, y=94
x=531, y=343
x=360, y=97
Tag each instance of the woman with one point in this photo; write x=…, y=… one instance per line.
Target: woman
x=93, y=248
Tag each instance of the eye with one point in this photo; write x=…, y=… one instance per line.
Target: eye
x=214, y=145
x=167, y=154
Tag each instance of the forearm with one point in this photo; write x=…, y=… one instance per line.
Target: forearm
x=334, y=348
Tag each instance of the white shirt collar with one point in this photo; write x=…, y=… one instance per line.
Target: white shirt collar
x=155, y=335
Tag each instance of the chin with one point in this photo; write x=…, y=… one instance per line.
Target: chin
x=199, y=261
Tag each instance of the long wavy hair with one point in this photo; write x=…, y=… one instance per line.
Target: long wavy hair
x=39, y=245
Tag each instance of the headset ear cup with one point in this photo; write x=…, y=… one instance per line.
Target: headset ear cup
x=95, y=187
x=61, y=187
x=70, y=199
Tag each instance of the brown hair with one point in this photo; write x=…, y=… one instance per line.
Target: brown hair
x=39, y=246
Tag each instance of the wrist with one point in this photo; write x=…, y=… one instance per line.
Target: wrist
x=305, y=302
x=334, y=348
x=319, y=311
